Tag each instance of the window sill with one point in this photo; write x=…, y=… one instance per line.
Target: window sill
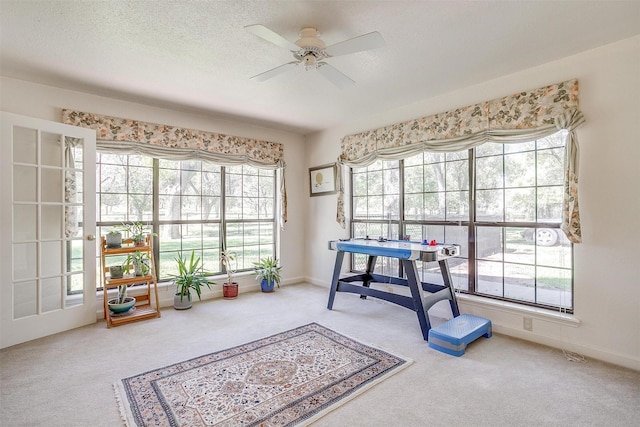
x=513, y=308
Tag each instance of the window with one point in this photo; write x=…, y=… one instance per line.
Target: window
x=190, y=205
x=507, y=198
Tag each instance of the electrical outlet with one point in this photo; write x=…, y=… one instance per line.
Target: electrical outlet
x=527, y=323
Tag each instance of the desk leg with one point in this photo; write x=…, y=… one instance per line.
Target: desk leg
x=416, y=294
x=446, y=276
x=371, y=265
x=335, y=278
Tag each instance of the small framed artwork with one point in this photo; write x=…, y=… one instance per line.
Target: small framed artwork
x=322, y=180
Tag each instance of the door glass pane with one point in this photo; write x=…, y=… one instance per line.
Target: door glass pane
x=24, y=145
x=51, y=260
x=51, y=221
x=24, y=184
x=75, y=295
x=24, y=261
x=75, y=258
x=24, y=299
x=24, y=222
x=51, y=185
x=73, y=187
x=51, y=149
x=51, y=288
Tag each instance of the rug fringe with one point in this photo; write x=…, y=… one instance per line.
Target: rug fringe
x=122, y=407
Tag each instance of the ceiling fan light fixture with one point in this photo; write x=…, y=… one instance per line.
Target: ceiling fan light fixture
x=311, y=52
x=310, y=61
x=309, y=39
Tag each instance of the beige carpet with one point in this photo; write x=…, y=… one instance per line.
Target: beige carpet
x=67, y=379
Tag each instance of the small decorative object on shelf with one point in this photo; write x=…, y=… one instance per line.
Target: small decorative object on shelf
x=229, y=288
x=124, y=309
x=268, y=272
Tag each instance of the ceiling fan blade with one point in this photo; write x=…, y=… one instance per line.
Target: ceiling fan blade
x=271, y=36
x=368, y=41
x=334, y=76
x=274, y=72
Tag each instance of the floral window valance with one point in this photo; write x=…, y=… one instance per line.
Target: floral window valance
x=516, y=118
x=115, y=134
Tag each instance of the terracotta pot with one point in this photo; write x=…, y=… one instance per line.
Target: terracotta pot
x=230, y=290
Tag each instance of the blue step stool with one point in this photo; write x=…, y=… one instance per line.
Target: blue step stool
x=452, y=336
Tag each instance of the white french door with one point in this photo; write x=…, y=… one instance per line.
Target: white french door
x=47, y=228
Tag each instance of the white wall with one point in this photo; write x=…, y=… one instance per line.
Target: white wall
x=607, y=273
x=46, y=102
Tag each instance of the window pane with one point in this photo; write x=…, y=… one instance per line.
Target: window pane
x=458, y=205
x=520, y=205
x=489, y=277
x=489, y=243
x=519, y=282
x=413, y=179
x=359, y=184
x=550, y=201
x=434, y=206
x=550, y=165
x=457, y=176
x=489, y=205
x=489, y=172
x=413, y=206
x=554, y=286
x=519, y=169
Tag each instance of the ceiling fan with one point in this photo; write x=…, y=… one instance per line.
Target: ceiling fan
x=309, y=50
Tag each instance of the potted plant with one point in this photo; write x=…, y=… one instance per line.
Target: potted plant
x=138, y=232
x=116, y=271
x=139, y=261
x=229, y=288
x=122, y=303
x=268, y=272
x=191, y=276
x=114, y=238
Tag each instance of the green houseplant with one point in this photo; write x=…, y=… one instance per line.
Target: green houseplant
x=140, y=262
x=138, y=232
x=122, y=303
x=229, y=288
x=268, y=272
x=191, y=276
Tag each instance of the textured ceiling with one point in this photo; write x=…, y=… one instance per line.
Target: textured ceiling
x=195, y=56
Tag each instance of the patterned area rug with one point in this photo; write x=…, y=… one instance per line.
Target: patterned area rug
x=287, y=379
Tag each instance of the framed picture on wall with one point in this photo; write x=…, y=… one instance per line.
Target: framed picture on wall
x=322, y=180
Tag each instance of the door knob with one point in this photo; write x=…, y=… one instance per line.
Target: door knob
x=91, y=237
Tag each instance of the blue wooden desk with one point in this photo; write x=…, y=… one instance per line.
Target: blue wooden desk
x=408, y=253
